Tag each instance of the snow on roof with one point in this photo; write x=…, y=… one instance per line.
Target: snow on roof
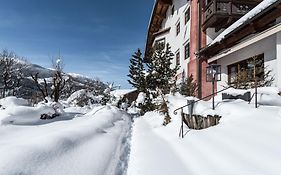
x=259, y=8
x=122, y=92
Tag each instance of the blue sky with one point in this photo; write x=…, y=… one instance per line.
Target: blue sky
x=95, y=38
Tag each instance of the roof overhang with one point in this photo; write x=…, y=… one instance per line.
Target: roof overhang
x=257, y=24
x=158, y=15
x=254, y=39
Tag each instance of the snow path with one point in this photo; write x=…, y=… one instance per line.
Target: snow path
x=88, y=145
x=151, y=155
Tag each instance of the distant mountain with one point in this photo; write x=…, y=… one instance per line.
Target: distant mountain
x=74, y=81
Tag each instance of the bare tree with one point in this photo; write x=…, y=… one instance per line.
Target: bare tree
x=58, y=79
x=42, y=87
x=55, y=87
x=10, y=73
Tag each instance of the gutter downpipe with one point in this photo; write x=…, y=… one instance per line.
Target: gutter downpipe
x=199, y=44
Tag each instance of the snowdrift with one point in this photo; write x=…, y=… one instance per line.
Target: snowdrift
x=90, y=144
x=16, y=111
x=247, y=140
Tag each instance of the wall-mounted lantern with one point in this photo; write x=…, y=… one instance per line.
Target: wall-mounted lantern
x=213, y=74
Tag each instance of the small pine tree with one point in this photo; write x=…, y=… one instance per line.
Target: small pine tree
x=245, y=78
x=164, y=109
x=241, y=80
x=136, y=72
x=161, y=74
x=189, y=87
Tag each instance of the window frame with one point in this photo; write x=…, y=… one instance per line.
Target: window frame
x=187, y=16
x=239, y=66
x=161, y=40
x=178, y=28
x=178, y=58
x=187, y=54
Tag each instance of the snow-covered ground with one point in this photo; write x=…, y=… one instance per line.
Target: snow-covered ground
x=79, y=144
x=101, y=140
x=247, y=141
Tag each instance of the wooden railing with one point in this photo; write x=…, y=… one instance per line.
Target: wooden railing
x=227, y=7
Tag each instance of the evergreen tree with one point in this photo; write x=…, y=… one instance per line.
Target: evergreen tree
x=161, y=74
x=189, y=87
x=136, y=72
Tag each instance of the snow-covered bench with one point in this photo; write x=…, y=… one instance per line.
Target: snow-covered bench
x=246, y=96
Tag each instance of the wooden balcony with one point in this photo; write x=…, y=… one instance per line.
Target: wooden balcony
x=220, y=14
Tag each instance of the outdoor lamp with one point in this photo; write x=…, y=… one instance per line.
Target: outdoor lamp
x=213, y=74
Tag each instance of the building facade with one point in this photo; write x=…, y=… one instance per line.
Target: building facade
x=170, y=23
x=254, y=35
x=224, y=32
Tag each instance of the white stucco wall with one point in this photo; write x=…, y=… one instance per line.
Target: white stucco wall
x=211, y=34
x=278, y=56
x=177, y=42
x=266, y=46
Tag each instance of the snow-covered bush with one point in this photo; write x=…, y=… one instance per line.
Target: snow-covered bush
x=82, y=98
x=13, y=101
x=145, y=103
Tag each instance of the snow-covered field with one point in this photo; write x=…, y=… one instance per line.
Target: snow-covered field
x=101, y=140
x=247, y=141
x=79, y=144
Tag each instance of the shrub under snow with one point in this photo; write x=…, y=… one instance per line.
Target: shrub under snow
x=13, y=101
x=82, y=98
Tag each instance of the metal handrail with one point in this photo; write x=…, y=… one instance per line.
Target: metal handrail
x=175, y=111
x=181, y=108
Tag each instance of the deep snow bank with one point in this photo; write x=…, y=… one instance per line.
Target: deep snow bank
x=16, y=111
x=90, y=144
x=13, y=102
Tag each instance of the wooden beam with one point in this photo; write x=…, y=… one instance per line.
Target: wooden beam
x=170, y=2
x=269, y=18
x=161, y=17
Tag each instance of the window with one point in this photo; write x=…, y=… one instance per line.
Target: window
x=173, y=10
x=244, y=70
x=160, y=41
x=178, y=58
x=186, y=51
x=187, y=16
x=178, y=28
x=232, y=73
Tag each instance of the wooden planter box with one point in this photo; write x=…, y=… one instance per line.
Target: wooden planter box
x=199, y=122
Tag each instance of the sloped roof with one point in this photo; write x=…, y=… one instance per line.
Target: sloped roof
x=158, y=15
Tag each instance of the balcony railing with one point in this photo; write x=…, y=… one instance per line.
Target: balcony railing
x=227, y=8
